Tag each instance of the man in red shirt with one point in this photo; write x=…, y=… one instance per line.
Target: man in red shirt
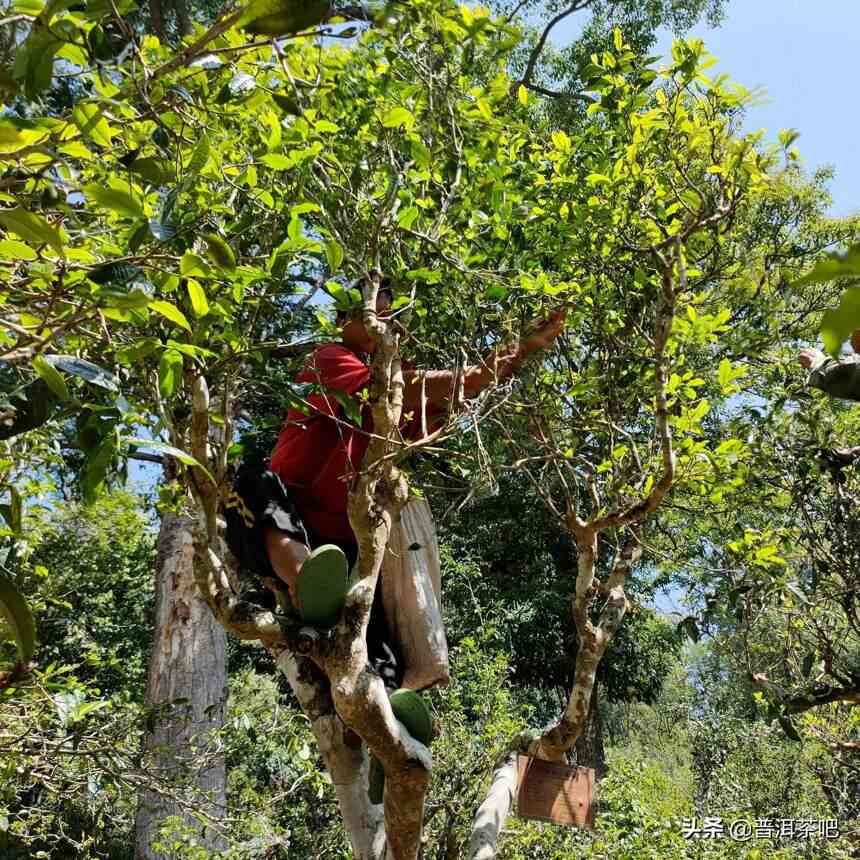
x=317, y=456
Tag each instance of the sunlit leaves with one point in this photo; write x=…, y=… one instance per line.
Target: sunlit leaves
x=171, y=312
x=277, y=17
x=219, y=251
x=197, y=295
x=123, y=203
x=169, y=372
x=14, y=138
x=334, y=255
x=32, y=228
x=52, y=377
x=838, y=324
x=90, y=119
x=199, y=156
x=398, y=117
x=13, y=250
x=833, y=267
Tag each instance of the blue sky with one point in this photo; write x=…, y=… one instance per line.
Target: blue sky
x=806, y=58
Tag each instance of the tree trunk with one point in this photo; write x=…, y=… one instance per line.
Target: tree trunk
x=186, y=692
x=589, y=746
x=344, y=755
x=156, y=14
x=183, y=19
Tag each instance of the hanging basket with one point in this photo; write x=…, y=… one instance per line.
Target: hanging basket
x=558, y=793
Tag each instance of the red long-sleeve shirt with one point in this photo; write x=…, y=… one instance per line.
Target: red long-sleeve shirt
x=317, y=457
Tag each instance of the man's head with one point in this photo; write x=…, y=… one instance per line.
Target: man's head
x=353, y=330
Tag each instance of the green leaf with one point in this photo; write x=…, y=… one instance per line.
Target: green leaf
x=18, y=617
x=52, y=377
x=154, y=170
x=219, y=251
x=199, y=156
x=833, y=333
x=171, y=312
x=617, y=39
x=32, y=228
x=34, y=60
x=14, y=138
x=180, y=455
x=561, y=141
x=787, y=136
x=407, y=217
x=839, y=324
x=333, y=255
x=121, y=202
x=277, y=161
x=278, y=17
x=724, y=373
x=351, y=409
x=192, y=265
x=199, y=303
x=169, y=372
x=421, y=153
x=294, y=229
x=597, y=179
x=90, y=119
x=12, y=250
x=399, y=117
x=836, y=266
x=522, y=95
x=97, y=467
x=303, y=208
x=16, y=511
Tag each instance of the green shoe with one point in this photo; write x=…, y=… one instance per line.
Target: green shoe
x=410, y=709
x=322, y=586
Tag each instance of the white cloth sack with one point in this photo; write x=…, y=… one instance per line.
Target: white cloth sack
x=411, y=596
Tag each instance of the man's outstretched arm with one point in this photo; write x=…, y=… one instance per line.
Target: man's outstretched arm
x=838, y=378
x=497, y=365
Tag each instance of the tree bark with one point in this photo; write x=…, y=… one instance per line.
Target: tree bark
x=349, y=703
x=156, y=14
x=495, y=809
x=187, y=663
x=183, y=19
x=343, y=753
x=590, y=751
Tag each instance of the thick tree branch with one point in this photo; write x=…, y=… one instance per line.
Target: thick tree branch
x=534, y=56
x=186, y=55
x=593, y=640
x=496, y=807
x=663, y=329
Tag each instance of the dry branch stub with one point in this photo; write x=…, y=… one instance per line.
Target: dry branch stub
x=557, y=793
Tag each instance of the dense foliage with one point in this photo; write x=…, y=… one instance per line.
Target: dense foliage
x=173, y=210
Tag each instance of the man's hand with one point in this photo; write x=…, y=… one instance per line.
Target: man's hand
x=546, y=332
x=808, y=357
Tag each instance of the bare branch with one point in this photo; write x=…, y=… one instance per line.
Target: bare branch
x=541, y=43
